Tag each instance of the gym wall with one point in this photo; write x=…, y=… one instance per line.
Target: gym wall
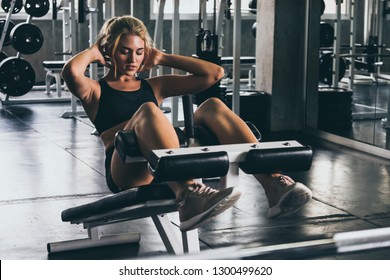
x=52, y=32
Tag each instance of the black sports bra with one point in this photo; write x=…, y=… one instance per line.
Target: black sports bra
x=117, y=106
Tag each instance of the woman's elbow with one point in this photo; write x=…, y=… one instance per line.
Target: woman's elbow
x=219, y=73
x=66, y=72
x=69, y=72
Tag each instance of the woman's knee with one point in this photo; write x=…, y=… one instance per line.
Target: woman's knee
x=213, y=103
x=146, y=113
x=210, y=108
x=149, y=110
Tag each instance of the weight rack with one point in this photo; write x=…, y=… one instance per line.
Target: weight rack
x=29, y=8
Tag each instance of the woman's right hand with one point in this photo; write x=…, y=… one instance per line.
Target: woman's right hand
x=101, y=54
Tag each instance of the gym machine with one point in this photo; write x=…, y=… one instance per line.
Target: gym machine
x=209, y=160
x=69, y=23
x=336, y=58
x=207, y=48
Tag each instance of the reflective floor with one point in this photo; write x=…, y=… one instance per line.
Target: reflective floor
x=49, y=164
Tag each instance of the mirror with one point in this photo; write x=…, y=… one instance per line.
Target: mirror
x=355, y=104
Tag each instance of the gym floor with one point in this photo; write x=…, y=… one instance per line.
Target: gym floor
x=50, y=164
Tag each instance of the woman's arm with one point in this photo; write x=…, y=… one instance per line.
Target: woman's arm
x=202, y=74
x=74, y=70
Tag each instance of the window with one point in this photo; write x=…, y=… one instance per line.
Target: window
x=189, y=9
x=331, y=9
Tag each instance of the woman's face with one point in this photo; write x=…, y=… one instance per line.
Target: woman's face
x=129, y=54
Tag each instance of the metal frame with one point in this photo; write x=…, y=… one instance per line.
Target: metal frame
x=70, y=43
x=236, y=153
x=236, y=57
x=157, y=210
x=188, y=242
x=336, y=46
x=175, y=50
x=349, y=143
x=6, y=24
x=93, y=240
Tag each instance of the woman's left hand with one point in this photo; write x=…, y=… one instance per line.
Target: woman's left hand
x=152, y=59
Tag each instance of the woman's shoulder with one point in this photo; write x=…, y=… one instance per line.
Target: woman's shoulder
x=145, y=83
x=102, y=82
x=153, y=86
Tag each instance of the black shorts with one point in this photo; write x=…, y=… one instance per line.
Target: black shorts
x=110, y=182
x=107, y=164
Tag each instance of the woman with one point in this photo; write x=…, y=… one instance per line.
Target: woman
x=122, y=101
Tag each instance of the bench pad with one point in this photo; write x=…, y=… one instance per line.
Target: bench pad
x=117, y=201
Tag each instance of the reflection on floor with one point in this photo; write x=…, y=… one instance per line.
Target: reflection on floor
x=50, y=163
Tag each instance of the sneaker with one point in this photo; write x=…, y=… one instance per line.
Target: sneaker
x=201, y=203
x=293, y=196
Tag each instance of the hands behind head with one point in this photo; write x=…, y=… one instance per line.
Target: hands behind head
x=153, y=58
x=102, y=54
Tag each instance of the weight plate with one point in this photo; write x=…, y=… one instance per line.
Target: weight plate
x=326, y=35
x=323, y=7
x=11, y=25
x=6, y=5
x=326, y=68
x=37, y=8
x=26, y=38
x=17, y=77
x=253, y=6
x=254, y=28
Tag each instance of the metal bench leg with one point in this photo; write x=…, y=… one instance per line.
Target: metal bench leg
x=57, y=78
x=168, y=235
x=48, y=81
x=232, y=177
x=94, y=240
x=191, y=241
x=50, y=75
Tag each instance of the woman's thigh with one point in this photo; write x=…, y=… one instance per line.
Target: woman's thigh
x=150, y=123
x=129, y=175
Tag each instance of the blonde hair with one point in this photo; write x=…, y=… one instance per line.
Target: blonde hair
x=113, y=30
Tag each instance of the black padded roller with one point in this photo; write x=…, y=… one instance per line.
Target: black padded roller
x=292, y=159
x=126, y=143
x=185, y=167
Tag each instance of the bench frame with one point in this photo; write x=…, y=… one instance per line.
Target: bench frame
x=158, y=209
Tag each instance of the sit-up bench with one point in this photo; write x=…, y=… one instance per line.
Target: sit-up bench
x=53, y=71
x=246, y=63
x=210, y=160
x=156, y=201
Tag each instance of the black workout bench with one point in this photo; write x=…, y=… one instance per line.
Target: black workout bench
x=156, y=201
x=209, y=160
